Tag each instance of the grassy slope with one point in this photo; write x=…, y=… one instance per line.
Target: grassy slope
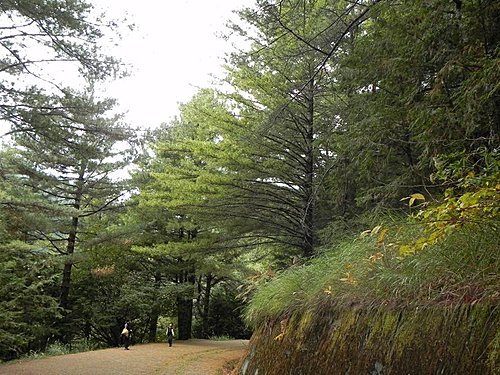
x=461, y=269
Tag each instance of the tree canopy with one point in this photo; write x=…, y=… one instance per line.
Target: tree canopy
x=48, y=46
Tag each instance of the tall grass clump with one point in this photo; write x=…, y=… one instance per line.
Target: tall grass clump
x=299, y=285
x=463, y=268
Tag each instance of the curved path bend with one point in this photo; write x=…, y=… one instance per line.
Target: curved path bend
x=192, y=357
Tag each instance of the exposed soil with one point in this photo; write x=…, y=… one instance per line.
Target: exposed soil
x=192, y=357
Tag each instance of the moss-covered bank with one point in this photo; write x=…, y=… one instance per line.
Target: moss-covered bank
x=363, y=308
x=455, y=339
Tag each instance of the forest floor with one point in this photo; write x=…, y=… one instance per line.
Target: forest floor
x=192, y=357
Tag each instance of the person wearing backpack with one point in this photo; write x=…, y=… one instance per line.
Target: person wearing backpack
x=170, y=334
x=126, y=332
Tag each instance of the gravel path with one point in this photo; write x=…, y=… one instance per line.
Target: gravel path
x=192, y=357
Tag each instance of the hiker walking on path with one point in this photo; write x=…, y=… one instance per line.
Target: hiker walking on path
x=170, y=334
x=126, y=332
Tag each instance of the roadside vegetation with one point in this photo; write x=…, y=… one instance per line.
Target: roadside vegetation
x=364, y=272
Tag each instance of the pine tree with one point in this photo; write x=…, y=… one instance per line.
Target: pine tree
x=68, y=172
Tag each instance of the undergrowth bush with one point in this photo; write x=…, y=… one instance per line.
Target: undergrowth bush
x=461, y=269
x=221, y=338
x=58, y=348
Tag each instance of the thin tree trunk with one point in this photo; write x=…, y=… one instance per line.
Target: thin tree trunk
x=185, y=302
x=206, y=306
x=155, y=311
x=64, y=301
x=68, y=266
x=71, y=245
x=309, y=200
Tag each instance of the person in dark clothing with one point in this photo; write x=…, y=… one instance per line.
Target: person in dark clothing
x=126, y=333
x=170, y=334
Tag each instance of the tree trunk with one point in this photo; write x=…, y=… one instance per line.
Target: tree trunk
x=184, y=316
x=185, y=301
x=64, y=301
x=155, y=311
x=68, y=265
x=309, y=198
x=71, y=245
x=206, y=306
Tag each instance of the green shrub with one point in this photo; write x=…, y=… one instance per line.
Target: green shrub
x=221, y=338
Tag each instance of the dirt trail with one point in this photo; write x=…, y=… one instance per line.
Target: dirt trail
x=193, y=357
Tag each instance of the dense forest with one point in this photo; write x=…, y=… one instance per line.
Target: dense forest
x=337, y=123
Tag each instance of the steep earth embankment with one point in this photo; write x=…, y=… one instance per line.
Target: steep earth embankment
x=328, y=340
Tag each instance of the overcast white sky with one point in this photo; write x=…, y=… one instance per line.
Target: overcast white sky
x=173, y=50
